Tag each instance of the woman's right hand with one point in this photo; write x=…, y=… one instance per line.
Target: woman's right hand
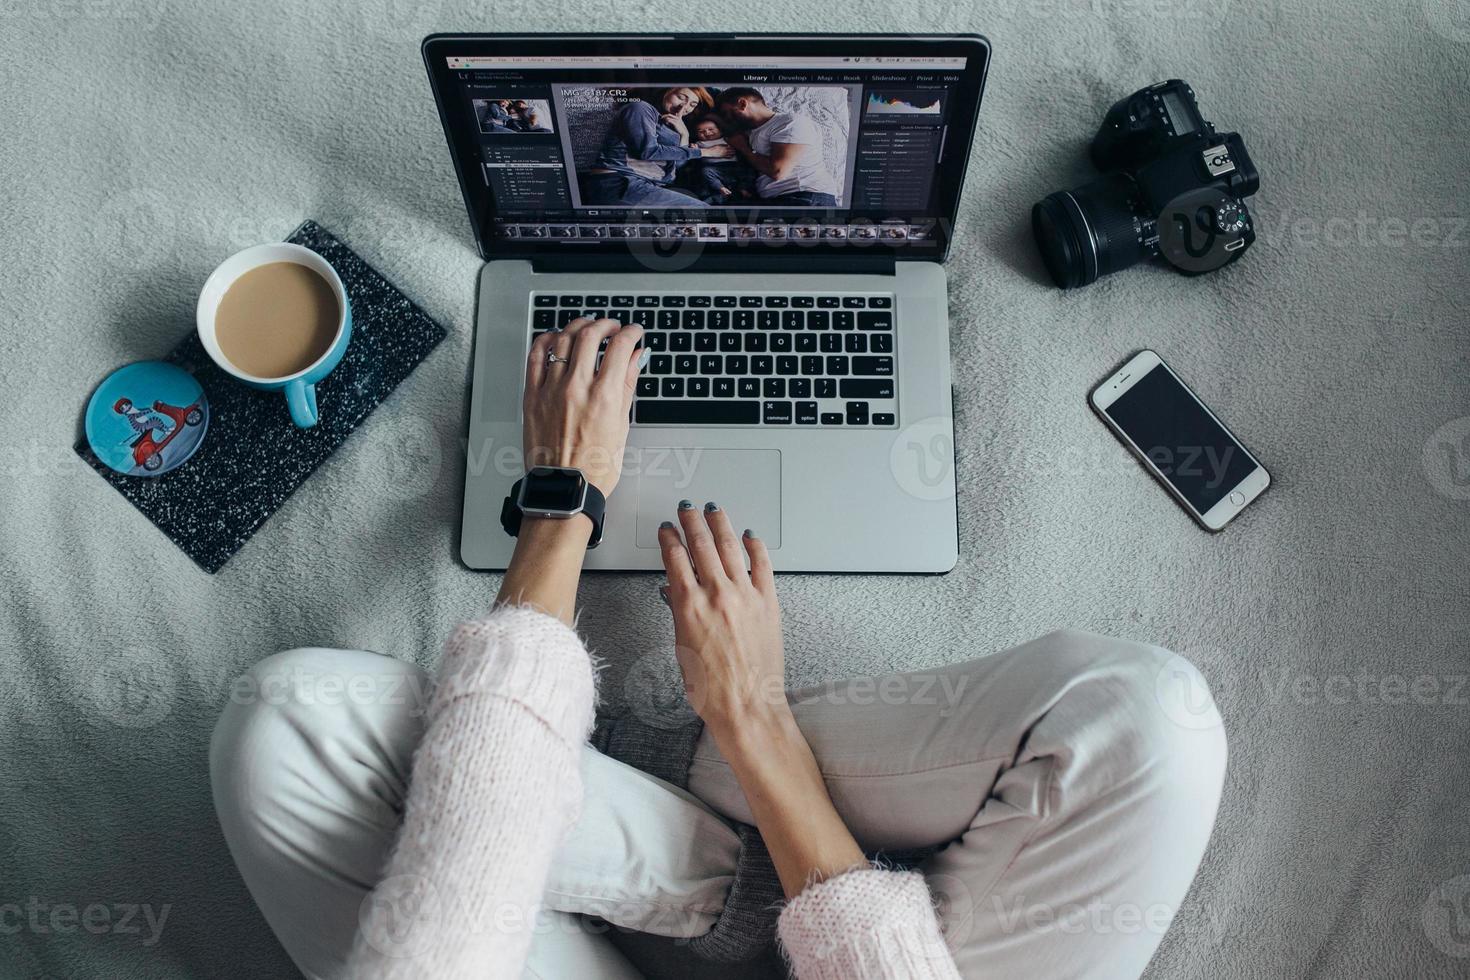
x=727, y=622
x=676, y=123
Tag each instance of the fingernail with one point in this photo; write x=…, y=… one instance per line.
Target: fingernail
x=663, y=593
x=686, y=505
x=711, y=507
x=750, y=534
x=643, y=361
x=666, y=525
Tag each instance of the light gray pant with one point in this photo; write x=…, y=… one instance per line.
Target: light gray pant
x=1075, y=779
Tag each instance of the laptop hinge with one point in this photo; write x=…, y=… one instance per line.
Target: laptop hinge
x=785, y=262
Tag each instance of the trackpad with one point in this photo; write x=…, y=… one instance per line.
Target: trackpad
x=745, y=482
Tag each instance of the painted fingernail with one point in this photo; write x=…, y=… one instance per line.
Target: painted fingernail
x=750, y=534
x=643, y=360
x=663, y=593
x=711, y=507
x=666, y=526
x=686, y=505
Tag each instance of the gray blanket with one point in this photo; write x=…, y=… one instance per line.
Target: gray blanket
x=144, y=140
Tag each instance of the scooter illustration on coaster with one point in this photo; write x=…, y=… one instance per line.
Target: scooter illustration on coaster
x=157, y=428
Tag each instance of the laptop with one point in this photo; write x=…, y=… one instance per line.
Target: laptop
x=775, y=212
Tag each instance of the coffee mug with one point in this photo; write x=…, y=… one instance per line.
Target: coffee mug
x=300, y=386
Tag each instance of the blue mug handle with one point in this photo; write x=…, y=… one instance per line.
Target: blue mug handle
x=301, y=400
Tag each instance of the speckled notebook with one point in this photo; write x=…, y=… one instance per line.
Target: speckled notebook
x=253, y=457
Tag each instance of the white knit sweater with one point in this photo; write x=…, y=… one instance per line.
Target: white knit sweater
x=496, y=785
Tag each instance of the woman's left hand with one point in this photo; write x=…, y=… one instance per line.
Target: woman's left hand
x=676, y=123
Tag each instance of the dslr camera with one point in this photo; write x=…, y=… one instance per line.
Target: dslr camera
x=1173, y=187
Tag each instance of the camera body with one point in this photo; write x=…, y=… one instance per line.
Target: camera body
x=1173, y=188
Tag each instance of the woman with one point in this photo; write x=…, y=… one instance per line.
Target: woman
x=1069, y=785
x=645, y=145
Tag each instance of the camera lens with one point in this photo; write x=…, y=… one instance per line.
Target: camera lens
x=1089, y=232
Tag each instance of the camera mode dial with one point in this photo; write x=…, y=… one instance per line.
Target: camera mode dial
x=1230, y=217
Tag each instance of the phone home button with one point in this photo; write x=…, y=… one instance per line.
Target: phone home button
x=1237, y=498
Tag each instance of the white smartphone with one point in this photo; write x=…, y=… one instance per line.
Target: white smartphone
x=1180, y=441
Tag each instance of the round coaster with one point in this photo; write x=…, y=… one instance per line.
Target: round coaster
x=147, y=418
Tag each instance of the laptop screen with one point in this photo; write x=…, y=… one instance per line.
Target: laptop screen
x=587, y=151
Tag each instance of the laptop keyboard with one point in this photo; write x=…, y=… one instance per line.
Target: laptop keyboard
x=818, y=359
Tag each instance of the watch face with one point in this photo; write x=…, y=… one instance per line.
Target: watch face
x=549, y=490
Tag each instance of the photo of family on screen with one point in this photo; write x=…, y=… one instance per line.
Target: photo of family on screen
x=503, y=116
x=697, y=146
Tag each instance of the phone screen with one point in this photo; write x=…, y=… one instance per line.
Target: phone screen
x=1169, y=426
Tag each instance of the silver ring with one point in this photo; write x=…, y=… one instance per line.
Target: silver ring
x=552, y=358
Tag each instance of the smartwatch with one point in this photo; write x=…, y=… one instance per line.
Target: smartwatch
x=557, y=492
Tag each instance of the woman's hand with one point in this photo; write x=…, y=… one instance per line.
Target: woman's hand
x=675, y=122
x=727, y=622
x=576, y=413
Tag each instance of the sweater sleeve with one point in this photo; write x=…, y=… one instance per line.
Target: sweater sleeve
x=866, y=924
x=641, y=122
x=495, y=785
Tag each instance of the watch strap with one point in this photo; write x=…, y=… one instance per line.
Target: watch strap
x=594, y=505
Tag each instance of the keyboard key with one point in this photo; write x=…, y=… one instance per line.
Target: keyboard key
x=673, y=388
x=875, y=321
x=854, y=302
x=880, y=303
x=828, y=302
x=622, y=316
x=729, y=342
x=647, y=387
x=571, y=301
x=750, y=301
x=686, y=364
x=622, y=301
x=866, y=387
x=744, y=320
x=780, y=342
x=718, y=320
x=750, y=388
x=836, y=365
x=704, y=412
x=818, y=320
x=647, y=300
x=673, y=301
x=883, y=418
x=724, y=301
x=786, y=365
x=873, y=365
x=543, y=300
x=774, y=388
x=857, y=343
x=776, y=302
x=693, y=319
x=826, y=387
x=762, y=364
x=793, y=320
x=881, y=343
x=843, y=320
x=737, y=364
x=800, y=387
x=661, y=364
x=595, y=301
x=755, y=342
x=644, y=318
x=544, y=319
x=831, y=418
x=806, y=413
x=656, y=340
x=724, y=387
x=768, y=320
x=594, y=314
x=857, y=413
x=811, y=364
x=711, y=365
x=806, y=343
x=776, y=413
x=803, y=302
x=704, y=342
x=699, y=387
x=668, y=319
x=681, y=341
x=564, y=317
x=700, y=301
x=831, y=343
